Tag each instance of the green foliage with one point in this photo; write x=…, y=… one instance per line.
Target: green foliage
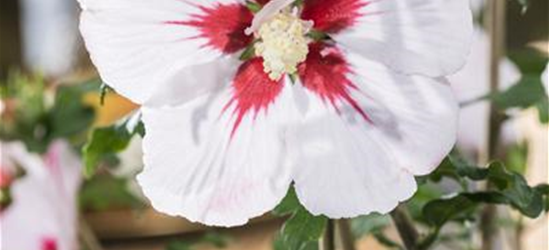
x=505, y=188
x=105, y=142
x=37, y=116
x=516, y=157
x=529, y=92
x=302, y=230
x=106, y=192
x=68, y=115
x=369, y=224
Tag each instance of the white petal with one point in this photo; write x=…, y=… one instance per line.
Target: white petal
x=195, y=168
x=141, y=56
x=429, y=37
x=347, y=166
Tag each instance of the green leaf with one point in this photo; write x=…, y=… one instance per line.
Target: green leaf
x=440, y=211
x=543, y=189
x=215, y=239
x=527, y=93
x=368, y=224
x=516, y=157
x=302, y=230
x=543, y=110
x=508, y=188
x=425, y=193
x=69, y=116
x=106, y=192
x=288, y=205
x=36, y=120
x=107, y=141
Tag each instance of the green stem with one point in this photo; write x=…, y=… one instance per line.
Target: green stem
x=496, y=27
x=328, y=240
x=346, y=235
x=406, y=229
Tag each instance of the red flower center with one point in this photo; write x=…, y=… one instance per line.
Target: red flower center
x=322, y=70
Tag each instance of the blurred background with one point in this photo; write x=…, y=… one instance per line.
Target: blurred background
x=63, y=188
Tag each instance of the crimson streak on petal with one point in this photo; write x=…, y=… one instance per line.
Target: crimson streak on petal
x=324, y=72
x=222, y=25
x=332, y=16
x=253, y=91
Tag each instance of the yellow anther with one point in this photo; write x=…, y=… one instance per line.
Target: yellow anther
x=283, y=44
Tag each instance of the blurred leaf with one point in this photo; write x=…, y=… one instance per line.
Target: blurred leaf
x=527, y=93
x=530, y=61
x=104, y=192
x=543, y=110
x=178, y=245
x=216, y=239
x=367, y=224
x=37, y=115
x=69, y=116
x=516, y=157
x=107, y=141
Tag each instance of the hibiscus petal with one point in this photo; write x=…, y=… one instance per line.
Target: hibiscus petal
x=332, y=16
x=145, y=49
x=429, y=37
x=360, y=156
x=219, y=159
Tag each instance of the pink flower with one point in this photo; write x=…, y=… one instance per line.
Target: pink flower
x=43, y=215
x=345, y=98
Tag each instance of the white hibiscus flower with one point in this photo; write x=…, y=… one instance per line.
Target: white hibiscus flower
x=345, y=98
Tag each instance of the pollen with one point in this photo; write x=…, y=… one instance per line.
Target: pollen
x=282, y=44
